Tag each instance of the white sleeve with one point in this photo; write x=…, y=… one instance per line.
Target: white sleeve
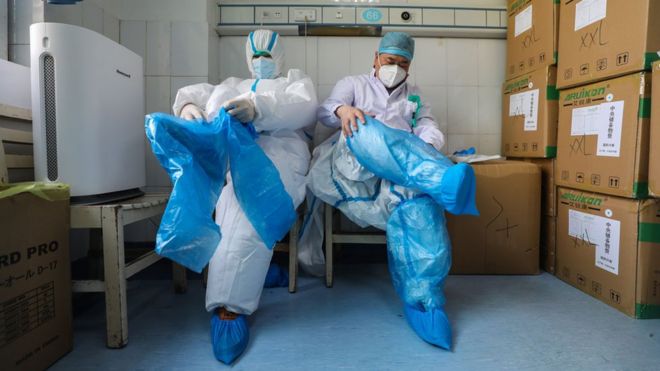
x=293, y=107
x=427, y=128
x=197, y=94
x=206, y=96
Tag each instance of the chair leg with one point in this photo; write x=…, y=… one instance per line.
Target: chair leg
x=293, y=255
x=328, y=247
x=179, y=278
x=114, y=277
x=205, y=276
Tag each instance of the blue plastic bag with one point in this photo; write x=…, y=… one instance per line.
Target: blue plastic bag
x=258, y=187
x=406, y=160
x=196, y=154
x=419, y=252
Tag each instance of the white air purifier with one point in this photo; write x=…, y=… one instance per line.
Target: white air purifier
x=88, y=112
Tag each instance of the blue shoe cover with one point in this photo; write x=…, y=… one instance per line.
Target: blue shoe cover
x=458, y=190
x=276, y=277
x=229, y=338
x=432, y=326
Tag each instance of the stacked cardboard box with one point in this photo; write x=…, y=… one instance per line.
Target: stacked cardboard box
x=609, y=247
x=654, y=153
x=35, y=277
x=548, y=212
x=607, y=231
x=504, y=238
x=529, y=103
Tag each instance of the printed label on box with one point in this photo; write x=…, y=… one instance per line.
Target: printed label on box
x=604, y=120
x=523, y=21
x=526, y=104
x=588, y=12
x=609, y=137
x=602, y=232
x=584, y=120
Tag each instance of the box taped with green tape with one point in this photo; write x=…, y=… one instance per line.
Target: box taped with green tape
x=609, y=247
x=603, y=137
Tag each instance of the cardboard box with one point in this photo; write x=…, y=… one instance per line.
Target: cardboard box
x=35, y=276
x=609, y=247
x=529, y=115
x=532, y=29
x=654, y=152
x=548, y=243
x=603, y=136
x=504, y=238
x=601, y=39
x=548, y=186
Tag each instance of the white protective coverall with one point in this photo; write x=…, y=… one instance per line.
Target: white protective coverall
x=284, y=107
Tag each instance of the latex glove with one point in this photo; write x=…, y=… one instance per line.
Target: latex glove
x=349, y=117
x=242, y=108
x=192, y=112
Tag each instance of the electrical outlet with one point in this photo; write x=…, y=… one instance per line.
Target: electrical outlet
x=304, y=15
x=271, y=15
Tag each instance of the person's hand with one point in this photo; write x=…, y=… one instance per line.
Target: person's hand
x=349, y=116
x=242, y=108
x=192, y=112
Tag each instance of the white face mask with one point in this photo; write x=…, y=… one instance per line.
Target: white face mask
x=391, y=74
x=264, y=68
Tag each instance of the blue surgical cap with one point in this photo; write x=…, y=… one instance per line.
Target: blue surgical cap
x=397, y=43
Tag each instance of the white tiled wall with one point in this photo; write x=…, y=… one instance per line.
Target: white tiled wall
x=460, y=78
x=175, y=54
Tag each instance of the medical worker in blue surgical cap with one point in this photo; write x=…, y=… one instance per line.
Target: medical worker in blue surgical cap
x=340, y=180
x=280, y=105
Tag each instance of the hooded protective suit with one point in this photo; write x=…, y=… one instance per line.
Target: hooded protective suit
x=284, y=106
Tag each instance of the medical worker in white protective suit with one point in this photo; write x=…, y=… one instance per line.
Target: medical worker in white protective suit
x=340, y=180
x=280, y=105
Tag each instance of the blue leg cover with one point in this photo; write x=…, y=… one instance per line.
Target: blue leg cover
x=406, y=160
x=229, y=338
x=196, y=154
x=419, y=256
x=432, y=325
x=418, y=250
x=276, y=277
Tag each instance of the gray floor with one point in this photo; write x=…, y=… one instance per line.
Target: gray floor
x=500, y=322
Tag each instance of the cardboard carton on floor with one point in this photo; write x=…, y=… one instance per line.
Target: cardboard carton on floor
x=654, y=153
x=35, y=276
x=529, y=115
x=504, y=238
x=603, y=139
x=609, y=247
x=601, y=39
x=548, y=243
x=548, y=186
x=532, y=29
